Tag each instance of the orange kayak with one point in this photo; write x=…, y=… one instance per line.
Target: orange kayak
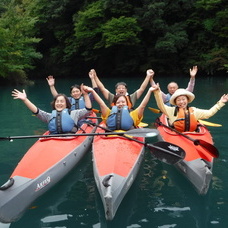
x=116, y=162
x=42, y=166
x=198, y=162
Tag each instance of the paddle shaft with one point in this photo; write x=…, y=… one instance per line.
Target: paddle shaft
x=198, y=142
x=65, y=135
x=150, y=146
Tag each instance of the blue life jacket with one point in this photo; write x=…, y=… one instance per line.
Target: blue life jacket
x=120, y=119
x=166, y=102
x=77, y=103
x=61, y=122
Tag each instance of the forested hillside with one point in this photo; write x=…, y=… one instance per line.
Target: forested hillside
x=116, y=37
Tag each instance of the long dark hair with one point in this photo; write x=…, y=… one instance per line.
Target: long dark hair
x=68, y=104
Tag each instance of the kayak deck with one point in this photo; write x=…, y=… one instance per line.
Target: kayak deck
x=116, y=162
x=45, y=153
x=198, y=163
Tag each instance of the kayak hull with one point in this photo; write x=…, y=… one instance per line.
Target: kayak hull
x=198, y=163
x=43, y=165
x=116, y=163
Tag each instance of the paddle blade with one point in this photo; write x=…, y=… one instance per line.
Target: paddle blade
x=154, y=110
x=167, y=152
x=210, y=123
x=142, y=132
x=212, y=150
x=141, y=124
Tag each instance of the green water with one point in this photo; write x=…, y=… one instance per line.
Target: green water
x=160, y=196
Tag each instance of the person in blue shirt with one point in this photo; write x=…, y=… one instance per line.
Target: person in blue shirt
x=62, y=119
x=76, y=97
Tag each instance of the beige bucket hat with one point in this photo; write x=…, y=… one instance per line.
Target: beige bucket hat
x=181, y=92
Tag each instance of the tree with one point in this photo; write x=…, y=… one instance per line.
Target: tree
x=17, y=49
x=209, y=32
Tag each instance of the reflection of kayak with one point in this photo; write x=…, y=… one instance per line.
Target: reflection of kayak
x=43, y=165
x=198, y=163
x=116, y=162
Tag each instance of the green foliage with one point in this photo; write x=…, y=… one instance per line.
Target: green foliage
x=209, y=45
x=125, y=36
x=88, y=30
x=17, y=42
x=121, y=31
x=173, y=41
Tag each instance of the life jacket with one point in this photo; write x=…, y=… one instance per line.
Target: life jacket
x=130, y=105
x=166, y=102
x=77, y=103
x=61, y=122
x=186, y=121
x=120, y=119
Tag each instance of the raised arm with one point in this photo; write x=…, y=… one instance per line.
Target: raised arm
x=92, y=75
x=144, y=102
x=191, y=83
x=104, y=108
x=51, y=82
x=84, y=91
x=152, y=83
x=22, y=96
x=100, y=85
x=159, y=100
x=149, y=75
x=206, y=114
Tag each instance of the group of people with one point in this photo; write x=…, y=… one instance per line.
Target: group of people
x=121, y=114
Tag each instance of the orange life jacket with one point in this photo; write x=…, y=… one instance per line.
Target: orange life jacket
x=130, y=105
x=186, y=120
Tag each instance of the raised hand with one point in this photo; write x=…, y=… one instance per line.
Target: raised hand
x=19, y=95
x=150, y=72
x=51, y=81
x=193, y=71
x=224, y=98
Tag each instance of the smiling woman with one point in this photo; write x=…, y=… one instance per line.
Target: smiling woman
x=182, y=117
x=61, y=120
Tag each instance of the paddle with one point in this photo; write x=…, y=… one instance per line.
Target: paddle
x=154, y=110
x=96, y=110
x=198, y=142
x=139, y=132
x=163, y=151
x=166, y=152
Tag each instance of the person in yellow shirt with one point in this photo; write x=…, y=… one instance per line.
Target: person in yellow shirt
x=120, y=117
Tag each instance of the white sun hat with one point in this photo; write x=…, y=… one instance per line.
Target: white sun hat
x=181, y=92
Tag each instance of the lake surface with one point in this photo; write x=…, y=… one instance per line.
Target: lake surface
x=160, y=197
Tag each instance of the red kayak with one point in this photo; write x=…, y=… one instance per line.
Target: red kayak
x=116, y=162
x=198, y=162
x=43, y=165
